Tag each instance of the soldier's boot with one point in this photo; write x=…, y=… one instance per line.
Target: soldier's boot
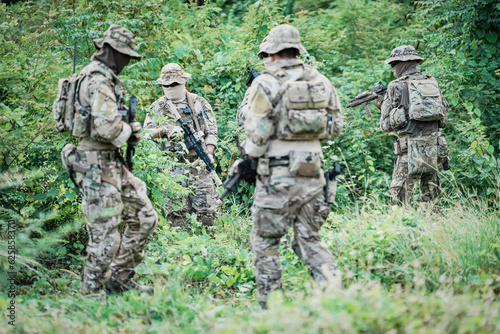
x=116, y=285
x=91, y=288
x=207, y=219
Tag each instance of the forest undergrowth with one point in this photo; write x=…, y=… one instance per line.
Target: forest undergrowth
x=405, y=270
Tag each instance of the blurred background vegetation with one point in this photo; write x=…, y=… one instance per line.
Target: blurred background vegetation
x=217, y=42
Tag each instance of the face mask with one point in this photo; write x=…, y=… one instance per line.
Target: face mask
x=176, y=93
x=267, y=61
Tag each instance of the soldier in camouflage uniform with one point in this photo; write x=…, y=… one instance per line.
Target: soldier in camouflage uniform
x=291, y=107
x=111, y=193
x=197, y=113
x=398, y=114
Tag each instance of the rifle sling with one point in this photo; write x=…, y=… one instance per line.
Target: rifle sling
x=191, y=106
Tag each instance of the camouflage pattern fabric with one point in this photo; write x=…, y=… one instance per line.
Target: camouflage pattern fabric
x=120, y=39
x=403, y=185
x=404, y=53
x=171, y=73
x=111, y=194
x=394, y=117
x=204, y=200
x=282, y=199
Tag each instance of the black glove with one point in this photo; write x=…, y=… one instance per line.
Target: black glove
x=248, y=170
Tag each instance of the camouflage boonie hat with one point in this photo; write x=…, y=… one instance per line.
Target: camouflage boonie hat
x=120, y=39
x=281, y=37
x=404, y=53
x=171, y=73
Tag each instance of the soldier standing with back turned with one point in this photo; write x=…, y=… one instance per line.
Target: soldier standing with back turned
x=291, y=108
x=111, y=193
x=415, y=109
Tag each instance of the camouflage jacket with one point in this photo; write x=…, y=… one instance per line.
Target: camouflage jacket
x=201, y=115
x=393, y=99
x=264, y=103
x=100, y=93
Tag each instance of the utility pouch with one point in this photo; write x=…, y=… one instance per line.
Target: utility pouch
x=422, y=155
x=305, y=164
x=92, y=183
x=69, y=156
x=80, y=120
x=397, y=150
x=331, y=191
x=263, y=166
x=397, y=118
x=442, y=148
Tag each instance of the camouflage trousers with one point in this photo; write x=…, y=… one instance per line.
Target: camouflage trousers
x=280, y=201
x=204, y=199
x=403, y=185
x=112, y=194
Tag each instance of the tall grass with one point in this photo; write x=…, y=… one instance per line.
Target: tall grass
x=405, y=270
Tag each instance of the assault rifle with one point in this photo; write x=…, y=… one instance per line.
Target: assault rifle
x=251, y=77
x=247, y=171
x=330, y=176
x=132, y=110
x=191, y=142
x=363, y=98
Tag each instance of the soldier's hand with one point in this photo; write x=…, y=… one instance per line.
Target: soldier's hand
x=181, y=149
x=134, y=138
x=176, y=134
x=234, y=169
x=211, y=157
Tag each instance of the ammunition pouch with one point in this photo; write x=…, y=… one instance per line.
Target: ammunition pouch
x=85, y=161
x=442, y=148
x=331, y=191
x=400, y=146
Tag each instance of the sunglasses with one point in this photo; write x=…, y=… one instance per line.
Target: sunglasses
x=172, y=85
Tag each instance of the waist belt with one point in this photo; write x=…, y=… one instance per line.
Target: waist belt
x=279, y=162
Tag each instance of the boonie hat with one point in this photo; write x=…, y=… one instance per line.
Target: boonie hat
x=120, y=39
x=404, y=53
x=279, y=38
x=171, y=73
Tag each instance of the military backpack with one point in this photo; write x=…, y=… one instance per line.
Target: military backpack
x=303, y=113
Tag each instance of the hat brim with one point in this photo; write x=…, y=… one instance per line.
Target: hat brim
x=99, y=43
x=177, y=78
x=273, y=48
x=404, y=58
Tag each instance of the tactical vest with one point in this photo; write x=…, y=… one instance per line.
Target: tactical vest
x=302, y=107
x=425, y=98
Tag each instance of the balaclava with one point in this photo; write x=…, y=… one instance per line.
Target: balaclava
x=404, y=67
x=176, y=93
x=115, y=60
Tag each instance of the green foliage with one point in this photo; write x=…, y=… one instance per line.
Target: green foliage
x=404, y=270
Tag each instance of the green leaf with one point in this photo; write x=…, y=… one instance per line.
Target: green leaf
x=491, y=37
x=477, y=112
x=225, y=38
x=8, y=126
x=263, y=29
x=468, y=106
x=52, y=192
x=454, y=101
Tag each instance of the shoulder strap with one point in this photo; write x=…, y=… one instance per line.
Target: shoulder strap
x=190, y=96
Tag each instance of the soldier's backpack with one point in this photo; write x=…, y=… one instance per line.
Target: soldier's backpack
x=303, y=107
x=66, y=103
x=426, y=100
